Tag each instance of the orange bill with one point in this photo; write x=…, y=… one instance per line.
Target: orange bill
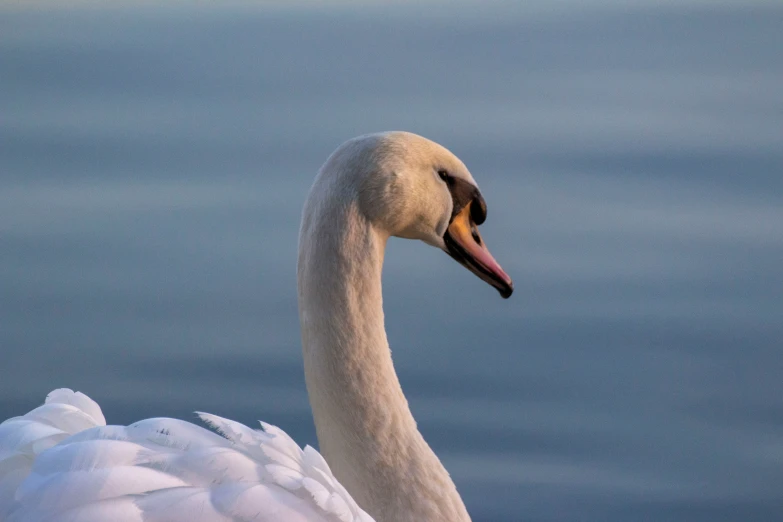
x=464, y=244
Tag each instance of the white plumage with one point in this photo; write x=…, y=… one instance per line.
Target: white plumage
x=60, y=462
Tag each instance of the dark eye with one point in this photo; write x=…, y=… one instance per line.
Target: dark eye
x=444, y=176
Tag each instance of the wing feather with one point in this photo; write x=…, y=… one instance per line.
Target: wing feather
x=114, y=510
x=60, y=462
x=79, y=401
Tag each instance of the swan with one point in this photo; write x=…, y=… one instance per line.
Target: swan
x=61, y=462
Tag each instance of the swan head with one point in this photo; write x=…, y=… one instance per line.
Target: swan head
x=411, y=187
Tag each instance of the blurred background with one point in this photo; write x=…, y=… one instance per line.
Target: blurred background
x=153, y=165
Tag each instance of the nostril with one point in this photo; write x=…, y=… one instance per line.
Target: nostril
x=475, y=234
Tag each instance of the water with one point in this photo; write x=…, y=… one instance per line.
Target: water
x=153, y=164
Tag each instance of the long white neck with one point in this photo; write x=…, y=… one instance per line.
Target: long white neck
x=365, y=429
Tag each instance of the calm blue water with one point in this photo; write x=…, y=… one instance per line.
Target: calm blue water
x=153, y=164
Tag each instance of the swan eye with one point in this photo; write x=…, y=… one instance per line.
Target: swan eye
x=444, y=176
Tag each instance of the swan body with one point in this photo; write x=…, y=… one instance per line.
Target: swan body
x=61, y=462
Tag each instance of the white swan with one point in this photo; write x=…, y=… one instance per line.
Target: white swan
x=60, y=462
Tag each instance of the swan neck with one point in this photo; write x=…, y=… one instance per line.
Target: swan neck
x=365, y=428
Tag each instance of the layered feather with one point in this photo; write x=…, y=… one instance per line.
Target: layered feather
x=60, y=462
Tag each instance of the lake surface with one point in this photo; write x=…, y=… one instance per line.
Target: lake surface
x=153, y=165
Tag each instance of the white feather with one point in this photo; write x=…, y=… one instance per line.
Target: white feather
x=159, y=470
x=79, y=401
x=114, y=510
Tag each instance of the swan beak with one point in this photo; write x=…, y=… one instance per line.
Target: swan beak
x=464, y=244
